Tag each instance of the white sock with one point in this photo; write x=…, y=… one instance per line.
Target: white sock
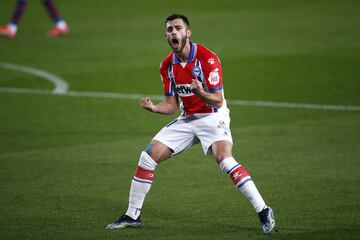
x=141, y=184
x=250, y=191
x=12, y=27
x=243, y=182
x=61, y=24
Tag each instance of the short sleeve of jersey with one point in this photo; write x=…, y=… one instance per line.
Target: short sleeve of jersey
x=212, y=71
x=167, y=79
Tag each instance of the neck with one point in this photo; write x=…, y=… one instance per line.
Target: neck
x=183, y=56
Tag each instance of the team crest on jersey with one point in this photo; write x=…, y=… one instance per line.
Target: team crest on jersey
x=214, y=77
x=196, y=72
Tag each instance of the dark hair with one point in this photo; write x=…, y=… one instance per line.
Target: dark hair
x=176, y=16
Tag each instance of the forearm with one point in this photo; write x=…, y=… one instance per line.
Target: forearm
x=165, y=108
x=213, y=99
x=168, y=106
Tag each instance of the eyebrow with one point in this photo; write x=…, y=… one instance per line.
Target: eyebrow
x=176, y=26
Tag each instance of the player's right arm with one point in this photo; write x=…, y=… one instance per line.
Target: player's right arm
x=169, y=105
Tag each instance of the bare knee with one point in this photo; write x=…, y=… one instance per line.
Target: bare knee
x=158, y=151
x=222, y=155
x=222, y=150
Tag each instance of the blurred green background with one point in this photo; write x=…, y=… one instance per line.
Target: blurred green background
x=66, y=162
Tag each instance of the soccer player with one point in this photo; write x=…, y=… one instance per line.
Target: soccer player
x=192, y=80
x=60, y=27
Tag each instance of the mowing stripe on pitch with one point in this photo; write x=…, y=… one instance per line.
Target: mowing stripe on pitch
x=158, y=97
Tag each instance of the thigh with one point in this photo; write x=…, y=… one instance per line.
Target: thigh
x=177, y=135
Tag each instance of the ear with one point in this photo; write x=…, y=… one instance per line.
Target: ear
x=188, y=33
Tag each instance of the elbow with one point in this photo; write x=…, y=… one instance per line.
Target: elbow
x=219, y=103
x=175, y=109
x=172, y=110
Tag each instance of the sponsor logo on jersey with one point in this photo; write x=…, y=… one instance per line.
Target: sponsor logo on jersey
x=184, y=90
x=214, y=77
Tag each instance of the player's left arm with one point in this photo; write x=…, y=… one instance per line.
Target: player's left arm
x=212, y=71
x=214, y=99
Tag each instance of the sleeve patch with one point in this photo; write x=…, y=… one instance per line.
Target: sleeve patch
x=214, y=77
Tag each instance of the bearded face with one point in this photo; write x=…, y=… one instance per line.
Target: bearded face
x=177, y=34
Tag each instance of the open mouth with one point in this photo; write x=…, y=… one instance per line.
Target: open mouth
x=175, y=41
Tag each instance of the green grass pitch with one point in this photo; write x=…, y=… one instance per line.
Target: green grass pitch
x=66, y=162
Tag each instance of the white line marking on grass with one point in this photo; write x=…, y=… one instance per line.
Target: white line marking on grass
x=294, y=105
x=60, y=84
x=61, y=87
x=158, y=97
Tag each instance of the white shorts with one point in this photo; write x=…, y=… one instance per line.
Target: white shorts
x=181, y=133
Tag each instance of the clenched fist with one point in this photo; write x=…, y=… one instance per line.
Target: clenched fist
x=147, y=104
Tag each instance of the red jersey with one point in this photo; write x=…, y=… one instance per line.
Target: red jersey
x=177, y=77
